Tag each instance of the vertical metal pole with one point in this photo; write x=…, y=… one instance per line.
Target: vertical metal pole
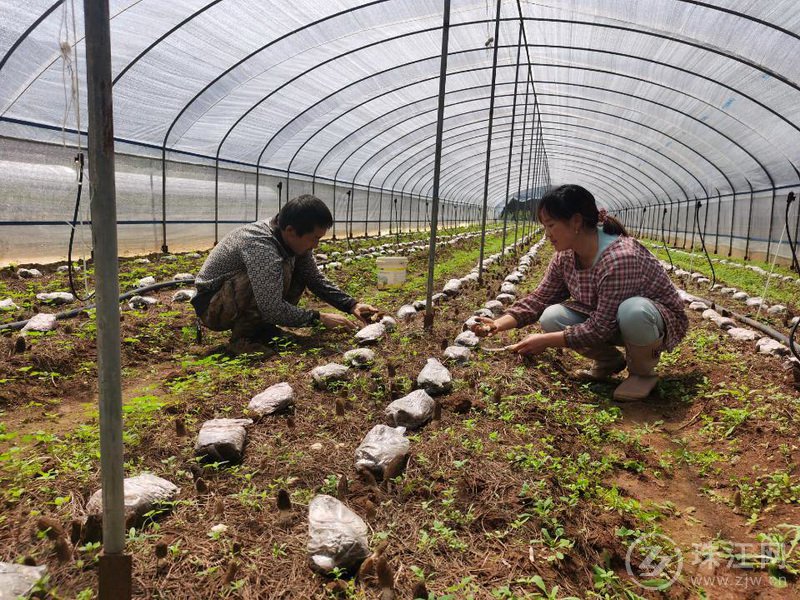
x=489, y=141
x=366, y=215
x=437, y=166
x=216, y=197
x=749, y=223
x=697, y=209
x=258, y=173
x=771, y=219
x=164, y=247
x=511, y=141
x=115, y=566
x=733, y=215
x=686, y=223
x=380, y=212
x=333, y=236
x=716, y=234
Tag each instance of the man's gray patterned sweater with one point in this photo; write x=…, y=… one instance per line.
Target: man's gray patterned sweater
x=277, y=275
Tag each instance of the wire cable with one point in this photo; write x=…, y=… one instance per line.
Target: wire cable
x=664, y=241
x=79, y=160
x=789, y=199
x=703, y=243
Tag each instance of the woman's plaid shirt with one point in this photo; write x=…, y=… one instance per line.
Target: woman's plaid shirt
x=624, y=270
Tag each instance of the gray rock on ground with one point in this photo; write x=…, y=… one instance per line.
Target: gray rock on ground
x=222, y=439
x=184, y=295
x=17, y=581
x=419, y=305
x=469, y=323
x=337, y=537
x=326, y=374
x=389, y=323
x=145, y=281
x=452, y=287
x=742, y=334
x=506, y=299
x=411, y=411
x=484, y=312
x=728, y=291
x=767, y=345
x=193, y=255
x=274, y=399
x=741, y=296
x=141, y=261
x=508, y=288
x=371, y=334
x=777, y=310
x=495, y=306
x=383, y=451
x=29, y=273
x=794, y=321
x=406, y=313
x=438, y=298
x=435, y=378
x=457, y=354
x=467, y=339
x=55, y=298
x=7, y=304
x=359, y=357
x=698, y=306
x=710, y=314
x=755, y=302
x=143, y=493
x=142, y=302
x=182, y=276
x=168, y=258
x=40, y=322
x=724, y=323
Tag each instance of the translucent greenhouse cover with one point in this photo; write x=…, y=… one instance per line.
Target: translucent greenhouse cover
x=644, y=102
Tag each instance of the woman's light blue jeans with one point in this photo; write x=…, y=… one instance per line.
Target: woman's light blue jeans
x=638, y=320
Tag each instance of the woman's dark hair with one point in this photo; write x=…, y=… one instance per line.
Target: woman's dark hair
x=567, y=200
x=305, y=213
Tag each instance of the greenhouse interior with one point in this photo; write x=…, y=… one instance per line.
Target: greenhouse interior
x=390, y=299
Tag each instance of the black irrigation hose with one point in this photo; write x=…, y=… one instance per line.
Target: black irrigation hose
x=792, y=343
x=789, y=199
x=664, y=241
x=703, y=243
x=70, y=270
x=76, y=311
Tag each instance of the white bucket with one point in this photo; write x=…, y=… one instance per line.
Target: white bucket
x=391, y=271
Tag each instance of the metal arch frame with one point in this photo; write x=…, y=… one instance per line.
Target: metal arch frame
x=460, y=167
x=590, y=87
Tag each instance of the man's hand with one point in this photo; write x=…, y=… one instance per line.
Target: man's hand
x=485, y=327
x=535, y=343
x=337, y=321
x=363, y=312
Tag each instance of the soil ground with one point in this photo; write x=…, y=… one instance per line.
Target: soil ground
x=532, y=484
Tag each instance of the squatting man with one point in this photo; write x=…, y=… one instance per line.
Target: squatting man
x=253, y=279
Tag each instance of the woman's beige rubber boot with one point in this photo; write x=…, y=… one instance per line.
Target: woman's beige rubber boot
x=607, y=359
x=642, y=378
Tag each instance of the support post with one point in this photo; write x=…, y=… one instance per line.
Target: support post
x=115, y=565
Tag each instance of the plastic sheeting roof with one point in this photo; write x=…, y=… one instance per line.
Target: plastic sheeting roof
x=639, y=100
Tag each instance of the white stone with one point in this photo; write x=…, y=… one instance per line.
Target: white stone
x=142, y=493
x=686, y=296
x=359, y=357
x=755, y=302
x=168, y=258
x=325, y=374
x=742, y=334
x=681, y=273
x=29, y=273
x=435, y=378
x=141, y=302
x=182, y=276
x=741, y=296
x=145, y=281
x=222, y=439
x=728, y=291
x=794, y=321
x=467, y=339
x=274, y=399
x=514, y=277
x=495, y=306
x=184, y=295
x=724, y=323
x=142, y=261
x=411, y=411
x=698, y=306
x=484, y=312
x=321, y=257
x=389, y=323
x=7, y=304
x=703, y=280
x=17, y=581
x=506, y=299
x=452, y=287
x=508, y=288
x=458, y=354
x=193, y=255
x=710, y=314
x=767, y=345
x=438, y=298
x=55, y=298
x=406, y=312
x=337, y=537
x=315, y=447
x=419, y=305
x=40, y=322
x=716, y=287
x=371, y=334
x=383, y=451
x=777, y=309
x=65, y=268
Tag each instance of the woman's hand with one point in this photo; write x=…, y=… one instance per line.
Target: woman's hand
x=535, y=343
x=485, y=327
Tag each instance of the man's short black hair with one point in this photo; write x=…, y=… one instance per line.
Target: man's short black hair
x=305, y=213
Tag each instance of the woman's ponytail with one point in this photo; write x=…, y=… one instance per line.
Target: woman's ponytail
x=612, y=226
